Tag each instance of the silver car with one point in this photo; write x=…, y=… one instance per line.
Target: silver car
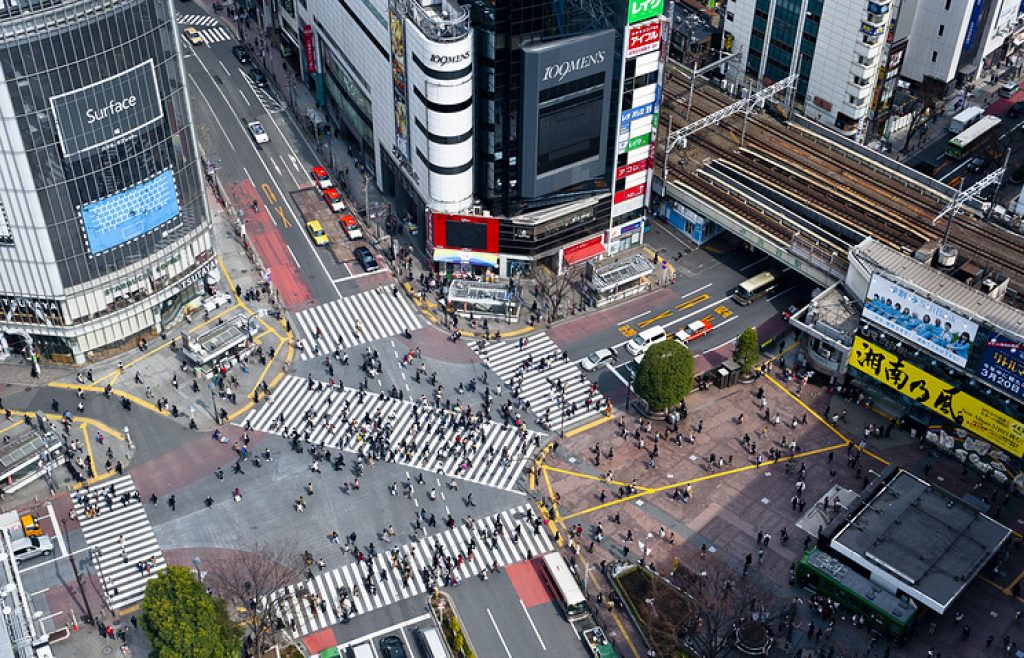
x=258, y=133
x=594, y=360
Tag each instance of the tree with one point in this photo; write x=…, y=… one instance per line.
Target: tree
x=927, y=96
x=554, y=289
x=748, y=350
x=723, y=601
x=248, y=579
x=665, y=375
x=182, y=620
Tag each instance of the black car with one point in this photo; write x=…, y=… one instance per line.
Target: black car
x=366, y=259
x=392, y=647
x=241, y=54
x=259, y=79
x=1016, y=110
x=976, y=165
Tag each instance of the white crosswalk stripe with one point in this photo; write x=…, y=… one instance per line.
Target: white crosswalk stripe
x=216, y=34
x=197, y=19
x=315, y=604
x=121, y=540
x=496, y=459
x=380, y=313
x=536, y=383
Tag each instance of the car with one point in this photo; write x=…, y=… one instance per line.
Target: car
x=323, y=180
x=391, y=647
x=333, y=199
x=366, y=259
x=317, y=232
x=976, y=164
x=193, y=36
x=595, y=359
x=258, y=133
x=693, y=331
x=351, y=227
x=1016, y=110
x=27, y=548
x=258, y=77
x=792, y=310
x=241, y=54
x=1009, y=90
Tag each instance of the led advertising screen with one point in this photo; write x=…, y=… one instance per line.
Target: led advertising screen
x=920, y=320
x=126, y=215
x=106, y=111
x=1002, y=363
x=464, y=232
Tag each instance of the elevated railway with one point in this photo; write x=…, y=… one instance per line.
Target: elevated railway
x=801, y=194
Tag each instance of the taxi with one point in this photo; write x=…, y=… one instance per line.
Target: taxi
x=693, y=331
x=323, y=180
x=334, y=200
x=193, y=36
x=316, y=231
x=351, y=227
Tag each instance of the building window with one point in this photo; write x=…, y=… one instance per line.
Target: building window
x=942, y=28
x=935, y=56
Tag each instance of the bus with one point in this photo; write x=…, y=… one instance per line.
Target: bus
x=754, y=288
x=883, y=611
x=571, y=599
x=960, y=145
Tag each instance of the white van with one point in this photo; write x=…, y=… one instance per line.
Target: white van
x=645, y=339
x=364, y=650
x=27, y=548
x=431, y=643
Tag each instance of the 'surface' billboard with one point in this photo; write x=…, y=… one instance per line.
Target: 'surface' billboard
x=106, y=111
x=1002, y=364
x=949, y=401
x=920, y=320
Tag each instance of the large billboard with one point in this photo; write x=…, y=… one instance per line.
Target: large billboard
x=639, y=10
x=920, y=320
x=566, y=110
x=1002, y=363
x=106, y=111
x=126, y=215
x=948, y=401
x=464, y=232
x=399, y=82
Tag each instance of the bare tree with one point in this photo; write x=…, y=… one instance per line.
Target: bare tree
x=247, y=579
x=723, y=601
x=555, y=289
x=927, y=97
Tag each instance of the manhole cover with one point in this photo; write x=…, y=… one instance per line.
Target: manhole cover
x=108, y=650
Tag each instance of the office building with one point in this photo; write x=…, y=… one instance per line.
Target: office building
x=104, y=232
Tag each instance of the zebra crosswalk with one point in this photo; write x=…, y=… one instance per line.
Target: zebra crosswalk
x=316, y=603
x=216, y=34
x=493, y=455
x=537, y=381
x=197, y=19
x=123, y=546
x=380, y=312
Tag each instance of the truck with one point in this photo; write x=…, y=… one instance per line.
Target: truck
x=598, y=644
x=965, y=119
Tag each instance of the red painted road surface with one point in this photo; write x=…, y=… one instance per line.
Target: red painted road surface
x=530, y=581
x=266, y=239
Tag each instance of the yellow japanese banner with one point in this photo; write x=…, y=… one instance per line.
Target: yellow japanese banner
x=949, y=401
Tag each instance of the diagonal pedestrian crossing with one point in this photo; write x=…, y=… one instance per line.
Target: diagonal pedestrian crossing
x=537, y=381
x=316, y=603
x=380, y=313
x=123, y=546
x=493, y=454
x=197, y=19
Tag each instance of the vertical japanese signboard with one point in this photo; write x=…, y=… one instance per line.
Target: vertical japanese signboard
x=399, y=81
x=307, y=44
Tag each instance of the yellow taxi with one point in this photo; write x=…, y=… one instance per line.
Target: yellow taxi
x=316, y=231
x=193, y=36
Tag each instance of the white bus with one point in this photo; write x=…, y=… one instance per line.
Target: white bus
x=571, y=599
x=754, y=288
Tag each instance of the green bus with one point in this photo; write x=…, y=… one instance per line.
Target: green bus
x=959, y=146
x=882, y=610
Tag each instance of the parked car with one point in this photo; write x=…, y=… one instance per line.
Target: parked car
x=366, y=259
x=595, y=359
x=333, y=199
x=317, y=232
x=258, y=77
x=241, y=54
x=322, y=178
x=391, y=647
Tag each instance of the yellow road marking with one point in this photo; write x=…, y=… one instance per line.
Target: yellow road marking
x=238, y=299
x=280, y=211
x=592, y=477
x=271, y=197
x=88, y=450
x=114, y=391
x=625, y=636
x=591, y=425
x=693, y=301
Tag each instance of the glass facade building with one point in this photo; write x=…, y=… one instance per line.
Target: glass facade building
x=104, y=223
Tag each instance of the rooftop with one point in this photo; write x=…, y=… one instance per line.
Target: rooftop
x=479, y=290
x=613, y=273
x=930, y=282
x=926, y=541
x=833, y=314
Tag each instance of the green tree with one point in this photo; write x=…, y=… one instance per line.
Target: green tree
x=665, y=375
x=182, y=620
x=748, y=350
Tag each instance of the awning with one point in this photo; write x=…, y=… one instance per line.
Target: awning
x=582, y=252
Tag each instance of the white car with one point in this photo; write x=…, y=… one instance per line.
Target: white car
x=258, y=133
x=594, y=360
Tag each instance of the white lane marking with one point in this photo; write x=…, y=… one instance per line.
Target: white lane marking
x=293, y=257
x=616, y=373
x=358, y=276
x=225, y=68
x=749, y=265
x=532, y=625
x=295, y=163
x=385, y=631
x=498, y=631
x=195, y=85
x=694, y=292
x=56, y=530
x=774, y=297
x=639, y=315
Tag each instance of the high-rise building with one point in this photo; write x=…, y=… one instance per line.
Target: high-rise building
x=835, y=47
x=104, y=232
x=516, y=132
